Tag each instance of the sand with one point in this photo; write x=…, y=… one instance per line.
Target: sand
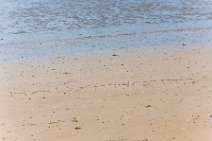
x=149, y=94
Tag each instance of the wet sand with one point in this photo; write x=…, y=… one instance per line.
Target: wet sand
x=147, y=94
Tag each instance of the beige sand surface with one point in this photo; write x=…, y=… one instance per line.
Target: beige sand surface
x=136, y=95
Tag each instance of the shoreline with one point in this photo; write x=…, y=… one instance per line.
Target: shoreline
x=44, y=50
x=125, y=29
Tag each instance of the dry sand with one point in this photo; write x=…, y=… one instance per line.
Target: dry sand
x=136, y=95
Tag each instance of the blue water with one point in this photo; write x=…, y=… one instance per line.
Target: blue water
x=27, y=16
x=73, y=26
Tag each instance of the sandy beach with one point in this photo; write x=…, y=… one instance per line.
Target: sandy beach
x=106, y=70
x=147, y=94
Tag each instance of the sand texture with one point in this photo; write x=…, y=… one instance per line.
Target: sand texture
x=149, y=94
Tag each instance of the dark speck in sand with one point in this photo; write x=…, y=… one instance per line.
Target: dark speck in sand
x=210, y=116
x=66, y=73
x=77, y=128
x=75, y=119
x=148, y=106
x=114, y=55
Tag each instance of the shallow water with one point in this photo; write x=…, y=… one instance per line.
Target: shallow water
x=24, y=16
